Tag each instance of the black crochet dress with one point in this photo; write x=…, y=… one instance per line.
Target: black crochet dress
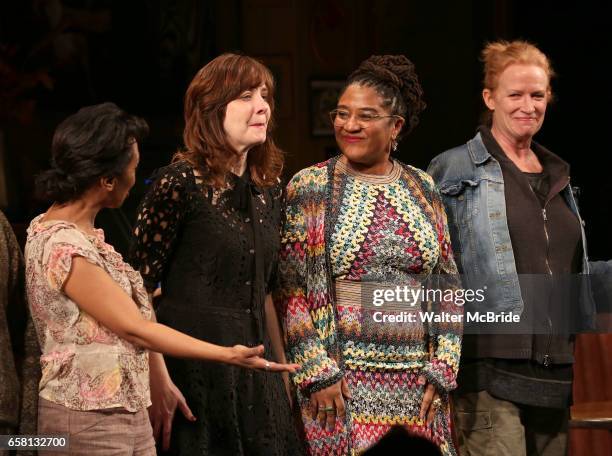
x=215, y=254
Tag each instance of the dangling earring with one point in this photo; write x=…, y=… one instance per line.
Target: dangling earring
x=394, y=144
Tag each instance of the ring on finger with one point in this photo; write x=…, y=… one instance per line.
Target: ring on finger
x=437, y=402
x=329, y=409
x=267, y=365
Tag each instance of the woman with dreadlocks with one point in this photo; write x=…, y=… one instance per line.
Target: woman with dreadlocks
x=360, y=220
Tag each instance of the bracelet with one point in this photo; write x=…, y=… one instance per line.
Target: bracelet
x=325, y=383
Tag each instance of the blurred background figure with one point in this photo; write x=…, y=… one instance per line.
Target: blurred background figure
x=399, y=442
x=19, y=352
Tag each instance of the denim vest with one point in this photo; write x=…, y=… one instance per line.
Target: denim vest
x=472, y=187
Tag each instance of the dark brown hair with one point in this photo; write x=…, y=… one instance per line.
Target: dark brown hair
x=93, y=143
x=219, y=82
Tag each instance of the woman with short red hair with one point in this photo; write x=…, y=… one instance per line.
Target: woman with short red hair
x=517, y=232
x=208, y=232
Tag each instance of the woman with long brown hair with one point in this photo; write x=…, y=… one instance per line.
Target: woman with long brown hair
x=98, y=348
x=208, y=231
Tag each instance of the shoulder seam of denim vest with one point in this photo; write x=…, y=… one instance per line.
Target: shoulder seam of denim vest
x=479, y=225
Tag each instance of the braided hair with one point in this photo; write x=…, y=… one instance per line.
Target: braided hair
x=394, y=78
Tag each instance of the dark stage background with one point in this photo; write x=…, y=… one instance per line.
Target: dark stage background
x=59, y=55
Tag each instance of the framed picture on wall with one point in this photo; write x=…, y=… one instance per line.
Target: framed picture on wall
x=324, y=95
x=281, y=68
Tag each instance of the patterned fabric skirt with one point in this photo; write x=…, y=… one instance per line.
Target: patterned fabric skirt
x=381, y=399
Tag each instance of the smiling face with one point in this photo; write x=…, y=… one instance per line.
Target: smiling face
x=519, y=101
x=365, y=145
x=246, y=119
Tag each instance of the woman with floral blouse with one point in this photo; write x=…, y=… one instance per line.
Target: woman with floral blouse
x=90, y=309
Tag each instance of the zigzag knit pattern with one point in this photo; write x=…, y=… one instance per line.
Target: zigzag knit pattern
x=342, y=226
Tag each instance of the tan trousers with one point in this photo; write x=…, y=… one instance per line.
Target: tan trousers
x=487, y=426
x=92, y=433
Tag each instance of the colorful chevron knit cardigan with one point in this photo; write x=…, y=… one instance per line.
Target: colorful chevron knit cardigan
x=383, y=373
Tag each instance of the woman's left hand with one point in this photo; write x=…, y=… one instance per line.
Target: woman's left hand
x=431, y=401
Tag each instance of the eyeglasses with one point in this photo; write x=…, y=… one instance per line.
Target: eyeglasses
x=339, y=117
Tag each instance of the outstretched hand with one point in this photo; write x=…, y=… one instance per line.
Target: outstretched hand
x=251, y=358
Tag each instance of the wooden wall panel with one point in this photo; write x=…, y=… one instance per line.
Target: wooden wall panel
x=592, y=382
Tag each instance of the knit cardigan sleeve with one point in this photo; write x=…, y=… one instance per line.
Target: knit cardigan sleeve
x=304, y=298
x=445, y=338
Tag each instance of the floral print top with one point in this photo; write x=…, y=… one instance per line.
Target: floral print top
x=84, y=365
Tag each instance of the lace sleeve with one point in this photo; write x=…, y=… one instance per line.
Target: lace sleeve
x=159, y=218
x=278, y=198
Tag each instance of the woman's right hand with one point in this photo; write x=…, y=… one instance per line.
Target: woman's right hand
x=328, y=403
x=250, y=358
x=165, y=399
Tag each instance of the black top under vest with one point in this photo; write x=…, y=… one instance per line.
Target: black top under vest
x=535, y=369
